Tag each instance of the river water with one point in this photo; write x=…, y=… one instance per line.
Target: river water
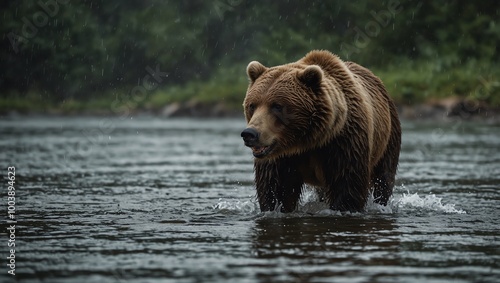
x=160, y=200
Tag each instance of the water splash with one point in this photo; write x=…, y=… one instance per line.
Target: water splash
x=236, y=206
x=412, y=202
x=310, y=204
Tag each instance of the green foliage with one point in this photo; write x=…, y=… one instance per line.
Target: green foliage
x=412, y=82
x=27, y=103
x=85, y=51
x=227, y=85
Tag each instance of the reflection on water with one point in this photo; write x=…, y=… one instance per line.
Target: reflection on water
x=153, y=200
x=311, y=248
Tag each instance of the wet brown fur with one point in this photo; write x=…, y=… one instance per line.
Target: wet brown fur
x=337, y=130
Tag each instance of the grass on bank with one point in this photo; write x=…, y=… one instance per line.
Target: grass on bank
x=39, y=104
x=228, y=85
x=409, y=83
x=416, y=82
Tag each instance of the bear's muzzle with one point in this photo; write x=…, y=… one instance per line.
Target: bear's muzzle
x=250, y=137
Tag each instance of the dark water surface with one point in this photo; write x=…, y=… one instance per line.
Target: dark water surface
x=155, y=200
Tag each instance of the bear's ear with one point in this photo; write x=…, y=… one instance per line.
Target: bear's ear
x=311, y=76
x=254, y=70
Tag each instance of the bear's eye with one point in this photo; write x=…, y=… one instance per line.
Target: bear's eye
x=277, y=107
x=251, y=107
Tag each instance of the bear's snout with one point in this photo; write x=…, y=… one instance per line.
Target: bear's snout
x=250, y=136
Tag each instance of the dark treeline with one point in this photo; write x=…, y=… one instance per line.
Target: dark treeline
x=83, y=49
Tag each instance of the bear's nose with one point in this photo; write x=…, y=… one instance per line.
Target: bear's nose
x=250, y=136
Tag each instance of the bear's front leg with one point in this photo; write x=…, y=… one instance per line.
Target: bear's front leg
x=278, y=185
x=349, y=191
x=348, y=185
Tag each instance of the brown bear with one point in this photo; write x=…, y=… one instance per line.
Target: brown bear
x=323, y=122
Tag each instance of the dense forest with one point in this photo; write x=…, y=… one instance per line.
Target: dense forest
x=93, y=53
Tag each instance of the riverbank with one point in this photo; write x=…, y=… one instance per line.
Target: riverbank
x=421, y=89
x=450, y=109
x=435, y=110
x=432, y=110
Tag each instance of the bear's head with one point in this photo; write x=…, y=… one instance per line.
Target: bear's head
x=290, y=109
